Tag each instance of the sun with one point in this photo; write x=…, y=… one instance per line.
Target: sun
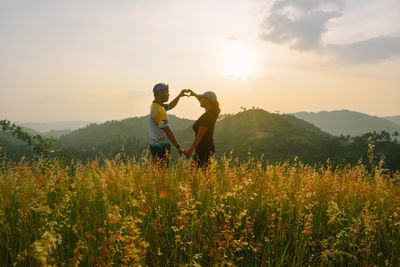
x=237, y=61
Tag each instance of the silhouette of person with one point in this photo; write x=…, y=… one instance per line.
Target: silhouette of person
x=161, y=134
x=203, y=127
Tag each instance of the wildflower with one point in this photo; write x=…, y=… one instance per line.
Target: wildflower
x=44, y=247
x=163, y=194
x=118, y=236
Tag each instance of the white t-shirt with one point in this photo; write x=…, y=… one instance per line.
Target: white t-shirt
x=158, y=121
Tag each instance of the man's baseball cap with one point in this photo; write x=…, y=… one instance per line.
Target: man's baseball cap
x=210, y=95
x=160, y=87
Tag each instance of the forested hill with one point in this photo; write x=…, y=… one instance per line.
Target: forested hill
x=99, y=134
x=278, y=137
x=275, y=136
x=345, y=122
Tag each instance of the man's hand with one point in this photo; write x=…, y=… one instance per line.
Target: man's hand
x=180, y=151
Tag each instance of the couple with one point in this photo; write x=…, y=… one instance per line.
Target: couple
x=161, y=134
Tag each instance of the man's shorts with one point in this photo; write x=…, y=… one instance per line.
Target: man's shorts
x=159, y=152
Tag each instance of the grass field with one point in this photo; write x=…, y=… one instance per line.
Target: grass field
x=240, y=214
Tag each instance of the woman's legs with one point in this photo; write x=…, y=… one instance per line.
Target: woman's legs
x=202, y=159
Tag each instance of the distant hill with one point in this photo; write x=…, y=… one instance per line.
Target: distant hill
x=347, y=122
x=395, y=119
x=13, y=147
x=55, y=133
x=44, y=127
x=98, y=134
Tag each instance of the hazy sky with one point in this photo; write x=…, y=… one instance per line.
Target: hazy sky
x=98, y=60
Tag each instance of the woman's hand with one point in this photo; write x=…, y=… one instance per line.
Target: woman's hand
x=191, y=93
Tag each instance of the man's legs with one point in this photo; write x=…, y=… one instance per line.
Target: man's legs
x=160, y=154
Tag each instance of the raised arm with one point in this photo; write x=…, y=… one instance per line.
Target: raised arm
x=193, y=94
x=174, y=102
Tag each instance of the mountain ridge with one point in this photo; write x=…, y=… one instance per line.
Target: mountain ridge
x=347, y=122
x=395, y=119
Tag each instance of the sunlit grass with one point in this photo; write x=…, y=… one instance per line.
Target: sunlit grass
x=244, y=214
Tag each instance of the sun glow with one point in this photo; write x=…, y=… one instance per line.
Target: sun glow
x=237, y=61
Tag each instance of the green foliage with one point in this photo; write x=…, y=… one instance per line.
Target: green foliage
x=372, y=148
x=41, y=146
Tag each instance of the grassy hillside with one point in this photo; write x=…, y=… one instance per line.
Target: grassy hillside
x=234, y=214
x=347, y=122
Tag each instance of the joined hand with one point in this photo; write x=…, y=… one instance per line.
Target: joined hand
x=185, y=92
x=187, y=153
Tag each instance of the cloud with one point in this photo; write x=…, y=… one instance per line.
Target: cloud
x=303, y=33
x=232, y=38
x=301, y=24
x=367, y=51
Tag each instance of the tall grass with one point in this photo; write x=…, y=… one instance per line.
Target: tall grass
x=244, y=214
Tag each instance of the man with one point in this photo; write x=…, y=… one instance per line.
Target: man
x=160, y=133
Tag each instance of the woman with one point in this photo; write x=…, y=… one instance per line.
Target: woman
x=203, y=143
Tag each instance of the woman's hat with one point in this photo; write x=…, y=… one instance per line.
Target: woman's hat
x=210, y=95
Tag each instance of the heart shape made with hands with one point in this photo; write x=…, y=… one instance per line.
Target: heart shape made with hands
x=186, y=92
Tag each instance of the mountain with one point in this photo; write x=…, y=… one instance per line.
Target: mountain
x=395, y=119
x=347, y=122
x=44, y=127
x=277, y=137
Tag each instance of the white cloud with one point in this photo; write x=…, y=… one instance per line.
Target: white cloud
x=367, y=51
x=301, y=24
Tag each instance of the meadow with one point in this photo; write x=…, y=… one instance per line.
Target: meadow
x=133, y=213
